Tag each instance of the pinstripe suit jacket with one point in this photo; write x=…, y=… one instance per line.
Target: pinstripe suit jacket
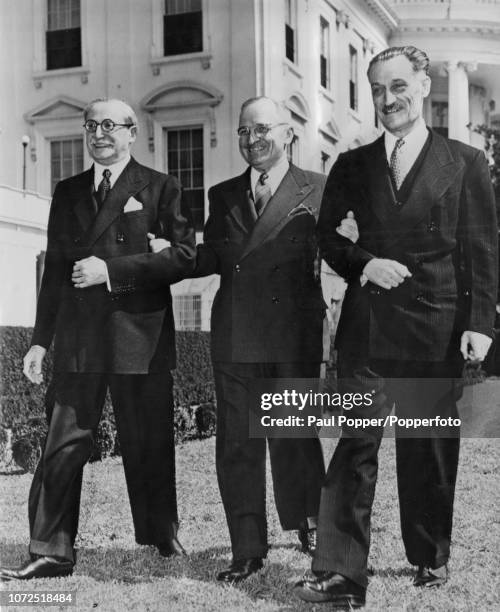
x=445, y=233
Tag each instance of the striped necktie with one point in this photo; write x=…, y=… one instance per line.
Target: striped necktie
x=262, y=193
x=396, y=165
x=104, y=187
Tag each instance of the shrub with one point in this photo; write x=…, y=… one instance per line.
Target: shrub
x=22, y=404
x=28, y=440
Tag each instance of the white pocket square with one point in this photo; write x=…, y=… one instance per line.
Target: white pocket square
x=132, y=204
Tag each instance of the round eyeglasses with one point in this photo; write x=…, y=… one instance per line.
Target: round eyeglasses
x=261, y=130
x=107, y=125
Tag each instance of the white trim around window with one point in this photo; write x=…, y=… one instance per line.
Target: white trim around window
x=158, y=59
x=40, y=72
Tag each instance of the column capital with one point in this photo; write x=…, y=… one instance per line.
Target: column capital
x=455, y=65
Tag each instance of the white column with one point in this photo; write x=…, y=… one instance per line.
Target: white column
x=458, y=100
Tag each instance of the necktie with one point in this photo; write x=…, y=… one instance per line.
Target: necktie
x=104, y=186
x=262, y=193
x=396, y=163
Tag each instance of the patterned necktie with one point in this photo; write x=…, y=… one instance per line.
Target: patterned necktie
x=396, y=165
x=262, y=193
x=104, y=186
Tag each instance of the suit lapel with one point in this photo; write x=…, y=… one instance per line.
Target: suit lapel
x=238, y=200
x=294, y=188
x=130, y=181
x=381, y=193
x=83, y=202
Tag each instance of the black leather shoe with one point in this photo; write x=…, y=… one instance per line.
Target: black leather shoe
x=428, y=577
x=332, y=587
x=240, y=569
x=307, y=539
x=171, y=548
x=41, y=567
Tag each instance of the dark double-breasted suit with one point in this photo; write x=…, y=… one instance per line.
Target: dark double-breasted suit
x=267, y=322
x=122, y=338
x=441, y=224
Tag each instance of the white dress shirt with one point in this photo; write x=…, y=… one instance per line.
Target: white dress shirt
x=115, y=169
x=413, y=144
x=276, y=174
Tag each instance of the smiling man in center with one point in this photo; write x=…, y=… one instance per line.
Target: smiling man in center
x=267, y=322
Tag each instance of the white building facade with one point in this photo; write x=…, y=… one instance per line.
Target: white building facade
x=186, y=66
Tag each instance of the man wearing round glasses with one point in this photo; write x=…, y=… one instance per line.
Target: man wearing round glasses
x=106, y=303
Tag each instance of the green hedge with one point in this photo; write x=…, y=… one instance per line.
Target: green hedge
x=22, y=404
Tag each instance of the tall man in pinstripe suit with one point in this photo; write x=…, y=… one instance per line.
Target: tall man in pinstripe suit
x=422, y=282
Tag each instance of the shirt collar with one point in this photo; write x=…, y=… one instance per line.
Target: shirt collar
x=276, y=174
x=414, y=141
x=115, y=169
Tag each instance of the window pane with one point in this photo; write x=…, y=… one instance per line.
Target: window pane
x=186, y=162
x=185, y=158
x=63, y=14
x=197, y=158
x=66, y=159
x=182, y=33
x=289, y=43
x=63, y=49
x=185, y=139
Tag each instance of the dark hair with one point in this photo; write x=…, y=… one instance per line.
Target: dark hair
x=418, y=58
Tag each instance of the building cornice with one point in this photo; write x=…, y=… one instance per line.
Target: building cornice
x=385, y=13
x=453, y=27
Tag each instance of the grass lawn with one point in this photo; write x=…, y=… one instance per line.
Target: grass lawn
x=113, y=573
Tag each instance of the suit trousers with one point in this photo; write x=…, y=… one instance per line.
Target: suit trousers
x=143, y=408
x=426, y=467
x=297, y=465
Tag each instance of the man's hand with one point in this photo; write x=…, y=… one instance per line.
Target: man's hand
x=474, y=345
x=157, y=244
x=348, y=227
x=385, y=273
x=32, y=363
x=88, y=272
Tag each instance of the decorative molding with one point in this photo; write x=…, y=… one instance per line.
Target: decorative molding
x=41, y=75
x=385, y=12
x=59, y=107
x=298, y=106
x=182, y=94
x=330, y=131
x=204, y=58
x=342, y=17
x=453, y=27
x=454, y=65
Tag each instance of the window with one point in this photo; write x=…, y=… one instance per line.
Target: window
x=325, y=158
x=182, y=27
x=63, y=35
x=353, y=78
x=440, y=117
x=185, y=161
x=187, y=312
x=324, y=57
x=66, y=159
x=290, y=50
